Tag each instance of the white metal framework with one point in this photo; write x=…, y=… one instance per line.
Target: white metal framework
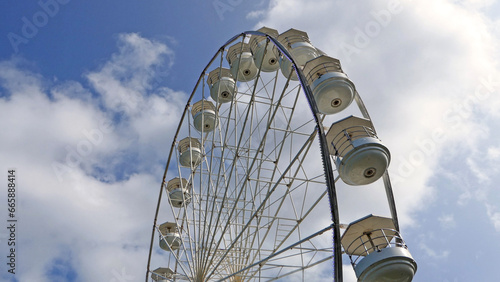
x=250, y=179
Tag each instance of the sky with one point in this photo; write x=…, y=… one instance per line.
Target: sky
x=88, y=165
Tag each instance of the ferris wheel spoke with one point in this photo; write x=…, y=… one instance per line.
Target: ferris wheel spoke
x=265, y=198
x=261, y=149
x=329, y=258
x=268, y=192
x=212, y=208
x=276, y=216
x=275, y=254
x=228, y=222
x=277, y=203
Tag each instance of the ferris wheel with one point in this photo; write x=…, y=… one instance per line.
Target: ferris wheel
x=248, y=192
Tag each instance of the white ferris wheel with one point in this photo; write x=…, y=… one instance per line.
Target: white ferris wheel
x=248, y=192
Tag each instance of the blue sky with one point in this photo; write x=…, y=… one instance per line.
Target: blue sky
x=427, y=70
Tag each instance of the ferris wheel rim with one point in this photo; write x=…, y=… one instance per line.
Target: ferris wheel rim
x=327, y=165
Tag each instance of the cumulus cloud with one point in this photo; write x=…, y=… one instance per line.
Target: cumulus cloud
x=81, y=153
x=428, y=74
x=476, y=4
x=405, y=58
x=435, y=254
x=447, y=221
x=494, y=216
x=124, y=80
x=493, y=153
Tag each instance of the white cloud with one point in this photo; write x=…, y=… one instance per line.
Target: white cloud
x=478, y=171
x=407, y=65
x=256, y=14
x=427, y=72
x=493, y=153
x=348, y=273
x=124, y=80
x=128, y=85
x=476, y=4
x=86, y=192
x=447, y=221
x=494, y=216
x=435, y=254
